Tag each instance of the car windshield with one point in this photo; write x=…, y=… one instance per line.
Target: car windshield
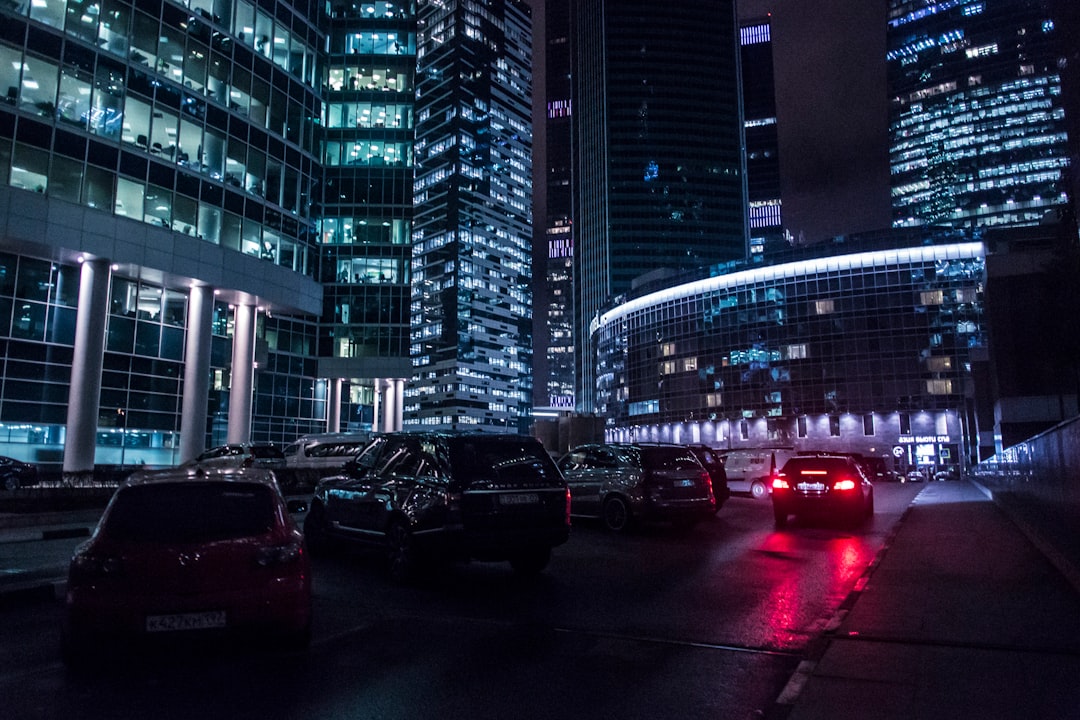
x=504, y=461
x=266, y=451
x=190, y=512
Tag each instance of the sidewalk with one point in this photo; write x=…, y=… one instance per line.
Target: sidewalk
x=960, y=616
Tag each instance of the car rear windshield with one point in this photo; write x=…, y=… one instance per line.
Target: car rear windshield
x=668, y=458
x=832, y=466
x=190, y=512
x=503, y=461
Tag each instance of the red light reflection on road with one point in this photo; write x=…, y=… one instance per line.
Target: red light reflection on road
x=799, y=597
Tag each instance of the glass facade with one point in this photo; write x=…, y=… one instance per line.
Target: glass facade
x=659, y=161
x=867, y=329
x=365, y=202
x=977, y=123
x=471, y=245
x=161, y=121
x=554, y=325
x=762, y=141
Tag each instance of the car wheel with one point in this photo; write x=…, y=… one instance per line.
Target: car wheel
x=402, y=561
x=11, y=482
x=759, y=490
x=531, y=562
x=318, y=542
x=616, y=514
x=870, y=505
x=779, y=517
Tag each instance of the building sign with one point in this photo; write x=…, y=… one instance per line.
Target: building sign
x=922, y=439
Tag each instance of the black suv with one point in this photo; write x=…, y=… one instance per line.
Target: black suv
x=429, y=496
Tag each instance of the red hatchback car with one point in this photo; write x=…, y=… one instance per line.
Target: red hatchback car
x=190, y=553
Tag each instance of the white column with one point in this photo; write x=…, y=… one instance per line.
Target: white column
x=84, y=393
x=399, y=403
x=333, y=406
x=200, y=318
x=376, y=410
x=389, y=402
x=243, y=375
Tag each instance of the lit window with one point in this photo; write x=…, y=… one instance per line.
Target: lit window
x=824, y=307
x=796, y=352
x=932, y=297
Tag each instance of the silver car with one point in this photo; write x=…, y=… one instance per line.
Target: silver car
x=625, y=483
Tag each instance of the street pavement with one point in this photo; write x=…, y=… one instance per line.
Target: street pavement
x=967, y=612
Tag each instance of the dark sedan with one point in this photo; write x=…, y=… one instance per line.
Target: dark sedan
x=15, y=473
x=831, y=486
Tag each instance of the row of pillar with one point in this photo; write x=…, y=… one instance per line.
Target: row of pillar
x=84, y=396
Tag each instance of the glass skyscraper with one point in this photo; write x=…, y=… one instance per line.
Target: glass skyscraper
x=762, y=142
x=365, y=212
x=554, y=319
x=977, y=125
x=156, y=170
x=471, y=307
x=659, y=171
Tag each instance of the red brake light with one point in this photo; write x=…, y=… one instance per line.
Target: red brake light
x=844, y=485
x=779, y=483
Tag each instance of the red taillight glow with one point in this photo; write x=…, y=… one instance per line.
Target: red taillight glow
x=844, y=485
x=779, y=483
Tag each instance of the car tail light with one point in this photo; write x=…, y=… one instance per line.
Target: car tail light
x=567, y=506
x=279, y=554
x=845, y=484
x=93, y=567
x=779, y=482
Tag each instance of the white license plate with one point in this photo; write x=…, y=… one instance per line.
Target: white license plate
x=519, y=499
x=185, y=621
x=812, y=487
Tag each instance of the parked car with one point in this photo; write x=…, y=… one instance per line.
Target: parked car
x=182, y=553
x=823, y=485
x=426, y=497
x=313, y=457
x=240, y=455
x=914, y=475
x=16, y=474
x=710, y=459
x=749, y=470
x=626, y=483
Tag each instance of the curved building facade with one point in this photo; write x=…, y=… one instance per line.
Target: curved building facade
x=157, y=247
x=865, y=347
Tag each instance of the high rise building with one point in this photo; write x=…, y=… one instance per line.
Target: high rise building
x=156, y=166
x=977, y=123
x=364, y=213
x=658, y=162
x=762, y=142
x=471, y=266
x=553, y=253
